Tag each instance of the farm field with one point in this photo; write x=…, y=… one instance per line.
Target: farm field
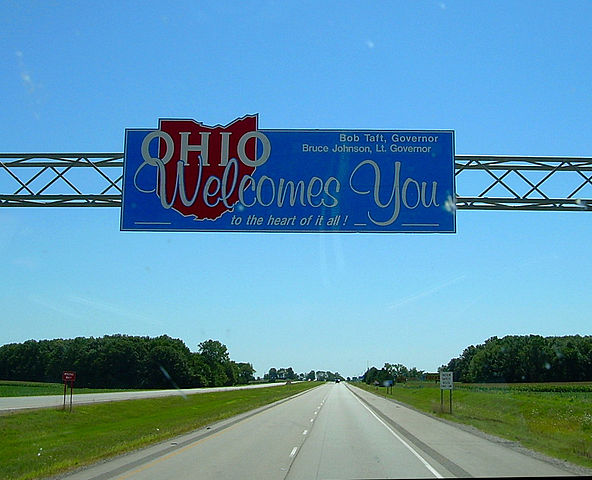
x=554, y=418
x=9, y=388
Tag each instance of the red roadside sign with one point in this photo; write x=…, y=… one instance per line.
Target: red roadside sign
x=68, y=377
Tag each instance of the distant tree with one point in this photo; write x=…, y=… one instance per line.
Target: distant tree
x=218, y=377
x=215, y=355
x=201, y=373
x=246, y=372
x=400, y=370
x=570, y=358
x=169, y=364
x=371, y=375
x=232, y=373
x=213, y=351
x=460, y=365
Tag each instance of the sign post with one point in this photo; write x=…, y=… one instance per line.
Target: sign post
x=446, y=383
x=68, y=377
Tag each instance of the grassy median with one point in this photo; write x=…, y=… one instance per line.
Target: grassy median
x=49, y=441
x=555, y=419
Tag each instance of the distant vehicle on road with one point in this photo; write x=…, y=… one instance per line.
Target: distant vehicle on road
x=337, y=380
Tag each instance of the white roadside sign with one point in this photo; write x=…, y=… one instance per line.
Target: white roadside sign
x=446, y=382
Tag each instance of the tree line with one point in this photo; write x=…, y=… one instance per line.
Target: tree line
x=394, y=372
x=121, y=361
x=531, y=358
x=276, y=374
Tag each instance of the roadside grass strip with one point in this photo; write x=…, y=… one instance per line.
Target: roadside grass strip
x=50, y=441
x=554, y=419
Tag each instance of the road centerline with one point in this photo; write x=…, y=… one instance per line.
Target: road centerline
x=127, y=471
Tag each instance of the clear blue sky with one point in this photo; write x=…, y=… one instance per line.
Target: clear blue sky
x=511, y=78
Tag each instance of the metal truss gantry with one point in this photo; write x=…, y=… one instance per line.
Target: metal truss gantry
x=483, y=182
x=61, y=179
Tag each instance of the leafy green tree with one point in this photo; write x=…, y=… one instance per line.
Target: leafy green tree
x=200, y=371
x=213, y=352
x=215, y=355
x=218, y=375
x=528, y=358
x=168, y=367
x=120, y=361
x=371, y=375
x=232, y=373
x=246, y=373
x=460, y=366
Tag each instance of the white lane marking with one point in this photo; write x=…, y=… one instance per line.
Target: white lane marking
x=305, y=432
x=293, y=452
x=409, y=447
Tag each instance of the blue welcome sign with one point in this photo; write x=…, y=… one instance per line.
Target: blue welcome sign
x=185, y=175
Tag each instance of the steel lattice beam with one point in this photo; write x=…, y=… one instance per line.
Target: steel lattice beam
x=483, y=182
x=61, y=179
x=524, y=183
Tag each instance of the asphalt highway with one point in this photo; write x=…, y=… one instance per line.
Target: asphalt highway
x=333, y=431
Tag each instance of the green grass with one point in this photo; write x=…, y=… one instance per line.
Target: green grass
x=556, y=423
x=9, y=388
x=47, y=442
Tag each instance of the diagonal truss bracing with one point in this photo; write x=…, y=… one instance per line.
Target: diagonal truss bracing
x=482, y=182
x=61, y=179
x=485, y=182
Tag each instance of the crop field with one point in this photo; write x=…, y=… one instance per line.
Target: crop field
x=554, y=418
x=556, y=387
x=10, y=388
